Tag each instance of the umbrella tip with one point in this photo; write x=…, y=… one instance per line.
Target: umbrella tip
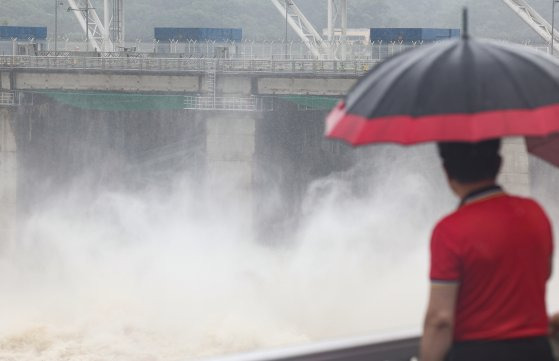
x=465, y=34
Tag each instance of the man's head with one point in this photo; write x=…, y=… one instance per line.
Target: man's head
x=470, y=163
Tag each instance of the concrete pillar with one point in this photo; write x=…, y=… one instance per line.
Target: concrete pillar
x=515, y=173
x=230, y=157
x=6, y=80
x=8, y=178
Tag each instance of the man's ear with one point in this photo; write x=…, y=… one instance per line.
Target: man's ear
x=445, y=170
x=452, y=184
x=500, y=164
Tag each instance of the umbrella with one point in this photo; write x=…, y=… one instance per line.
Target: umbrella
x=458, y=90
x=546, y=148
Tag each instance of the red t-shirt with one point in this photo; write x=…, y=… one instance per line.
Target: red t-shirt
x=498, y=249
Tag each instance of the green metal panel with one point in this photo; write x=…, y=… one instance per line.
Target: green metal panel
x=116, y=101
x=311, y=102
x=142, y=102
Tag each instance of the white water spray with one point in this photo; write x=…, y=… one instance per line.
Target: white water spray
x=172, y=276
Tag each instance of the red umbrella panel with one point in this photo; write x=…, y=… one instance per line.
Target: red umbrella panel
x=546, y=148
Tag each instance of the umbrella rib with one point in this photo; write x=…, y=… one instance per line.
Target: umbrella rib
x=536, y=65
x=364, y=81
x=407, y=70
x=426, y=73
x=510, y=73
x=516, y=85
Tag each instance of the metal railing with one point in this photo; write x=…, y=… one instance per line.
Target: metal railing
x=242, y=104
x=246, y=49
x=162, y=65
x=243, y=50
x=397, y=347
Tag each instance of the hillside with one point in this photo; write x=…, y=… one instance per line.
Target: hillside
x=260, y=20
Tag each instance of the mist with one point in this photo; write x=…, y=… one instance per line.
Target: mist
x=173, y=273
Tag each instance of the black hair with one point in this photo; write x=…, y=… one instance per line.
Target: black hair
x=471, y=162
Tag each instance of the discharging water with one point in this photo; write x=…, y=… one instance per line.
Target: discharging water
x=176, y=275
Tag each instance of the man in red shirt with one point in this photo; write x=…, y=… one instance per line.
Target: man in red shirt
x=490, y=262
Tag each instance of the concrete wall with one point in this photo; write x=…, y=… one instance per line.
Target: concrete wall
x=327, y=86
x=107, y=82
x=5, y=80
x=230, y=159
x=8, y=177
x=291, y=153
x=515, y=172
x=230, y=148
x=226, y=84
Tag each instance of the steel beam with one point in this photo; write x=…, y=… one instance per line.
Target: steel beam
x=106, y=20
x=535, y=21
x=337, y=22
x=343, y=28
x=96, y=33
x=331, y=20
x=117, y=24
x=8, y=178
x=302, y=27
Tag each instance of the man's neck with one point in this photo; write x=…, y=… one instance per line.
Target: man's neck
x=464, y=189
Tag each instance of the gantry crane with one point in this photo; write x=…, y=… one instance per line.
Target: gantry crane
x=102, y=36
x=337, y=18
x=320, y=48
x=535, y=21
x=108, y=35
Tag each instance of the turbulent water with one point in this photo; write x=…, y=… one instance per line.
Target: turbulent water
x=178, y=275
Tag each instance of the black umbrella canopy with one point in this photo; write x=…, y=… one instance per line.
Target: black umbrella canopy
x=462, y=90
x=458, y=77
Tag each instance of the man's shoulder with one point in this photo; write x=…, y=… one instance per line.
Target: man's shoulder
x=447, y=224
x=529, y=205
x=487, y=207
x=521, y=202
x=504, y=200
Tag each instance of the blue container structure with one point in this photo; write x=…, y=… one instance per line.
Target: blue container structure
x=198, y=34
x=412, y=35
x=23, y=32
